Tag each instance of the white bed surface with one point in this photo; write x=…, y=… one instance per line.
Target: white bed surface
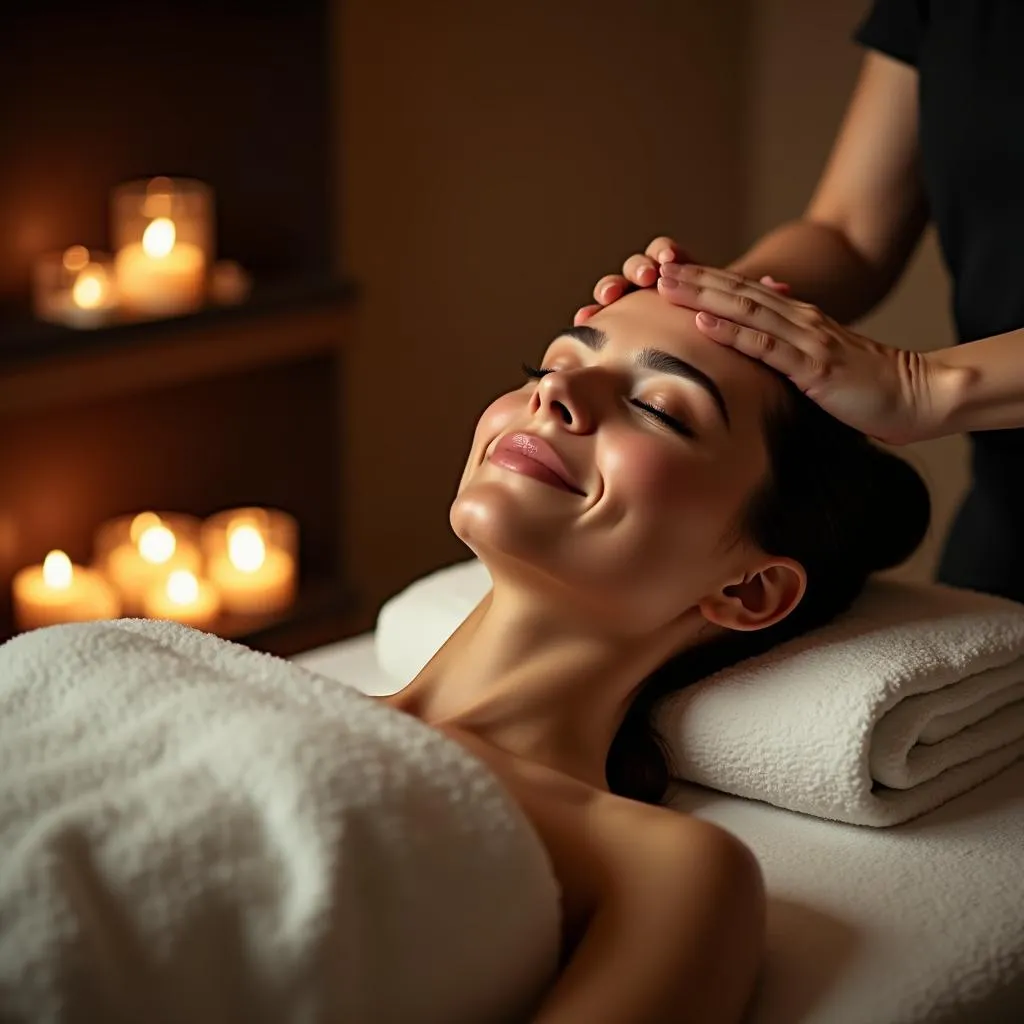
x=922, y=923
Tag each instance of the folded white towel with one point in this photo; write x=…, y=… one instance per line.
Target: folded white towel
x=191, y=831
x=912, y=697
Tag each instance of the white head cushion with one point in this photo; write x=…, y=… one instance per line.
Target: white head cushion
x=413, y=624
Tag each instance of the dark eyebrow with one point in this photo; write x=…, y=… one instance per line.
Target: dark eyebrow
x=654, y=359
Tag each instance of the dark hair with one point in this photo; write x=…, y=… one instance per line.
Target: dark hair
x=832, y=501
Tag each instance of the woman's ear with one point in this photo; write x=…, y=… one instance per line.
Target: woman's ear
x=760, y=598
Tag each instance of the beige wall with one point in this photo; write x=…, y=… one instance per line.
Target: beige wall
x=496, y=160
x=804, y=66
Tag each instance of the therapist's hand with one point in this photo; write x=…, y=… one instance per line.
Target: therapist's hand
x=642, y=270
x=887, y=393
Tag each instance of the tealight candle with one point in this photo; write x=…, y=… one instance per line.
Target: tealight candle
x=138, y=553
x=184, y=597
x=251, y=558
x=163, y=234
x=57, y=591
x=253, y=579
x=75, y=288
x=160, y=276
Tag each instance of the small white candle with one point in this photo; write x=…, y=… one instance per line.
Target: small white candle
x=57, y=591
x=185, y=598
x=75, y=289
x=144, y=560
x=253, y=577
x=160, y=276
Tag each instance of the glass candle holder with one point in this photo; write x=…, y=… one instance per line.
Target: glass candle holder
x=76, y=288
x=138, y=553
x=251, y=558
x=163, y=236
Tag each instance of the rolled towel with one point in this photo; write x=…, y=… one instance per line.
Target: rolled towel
x=912, y=697
x=191, y=831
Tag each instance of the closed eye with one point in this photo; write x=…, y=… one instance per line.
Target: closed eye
x=652, y=410
x=670, y=421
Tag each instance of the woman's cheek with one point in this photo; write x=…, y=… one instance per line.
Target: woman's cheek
x=646, y=469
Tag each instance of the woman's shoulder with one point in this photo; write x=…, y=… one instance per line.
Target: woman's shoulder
x=642, y=836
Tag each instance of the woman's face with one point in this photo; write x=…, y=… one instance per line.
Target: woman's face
x=653, y=440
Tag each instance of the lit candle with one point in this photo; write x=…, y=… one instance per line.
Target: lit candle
x=185, y=598
x=76, y=289
x=161, y=275
x=143, y=559
x=253, y=577
x=58, y=591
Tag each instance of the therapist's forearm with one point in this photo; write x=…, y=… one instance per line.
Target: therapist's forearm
x=820, y=265
x=979, y=386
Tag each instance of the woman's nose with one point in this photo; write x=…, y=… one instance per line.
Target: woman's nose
x=570, y=396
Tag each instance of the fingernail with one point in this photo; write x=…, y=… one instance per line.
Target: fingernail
x=666, y=256
x=606, y=292
x=707, y=319
x=667, y=282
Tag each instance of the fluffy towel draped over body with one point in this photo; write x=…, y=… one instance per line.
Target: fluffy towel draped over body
x=912, y=697
x=190, y=831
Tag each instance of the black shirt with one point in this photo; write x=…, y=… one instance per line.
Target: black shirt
x=970, y=60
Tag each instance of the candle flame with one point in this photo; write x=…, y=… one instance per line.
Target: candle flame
x=142, y=522
x=182, y=587
x=159, y=238
x=246, y=549
x=75, y=258
x=90, y=288
x=156, y=544
x=57, y=570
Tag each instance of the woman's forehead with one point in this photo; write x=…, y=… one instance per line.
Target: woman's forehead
x=644, y=319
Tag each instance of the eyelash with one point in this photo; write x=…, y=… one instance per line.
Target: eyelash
x=670, y=421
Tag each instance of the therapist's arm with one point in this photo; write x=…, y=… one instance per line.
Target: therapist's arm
x=980, y=385
x=868, y=211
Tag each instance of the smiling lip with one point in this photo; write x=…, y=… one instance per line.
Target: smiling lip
x=533, y=456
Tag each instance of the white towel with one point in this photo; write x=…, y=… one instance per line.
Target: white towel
x=191, y=831
x=911, y=698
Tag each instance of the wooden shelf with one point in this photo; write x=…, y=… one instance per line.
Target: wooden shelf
x=226, y=408
x=324, y=613
x=43, y=366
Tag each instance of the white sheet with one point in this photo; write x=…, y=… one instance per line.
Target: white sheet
x=921, y=923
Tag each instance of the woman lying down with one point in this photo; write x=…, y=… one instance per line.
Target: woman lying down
x=652, y=507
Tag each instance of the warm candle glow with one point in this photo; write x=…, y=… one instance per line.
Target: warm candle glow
x=91, y=288
x=142, y=522
x=182, y=587
x=156, y=544
x=57, y=591
x=246, y=548
x=57, y=570
x=159, y=238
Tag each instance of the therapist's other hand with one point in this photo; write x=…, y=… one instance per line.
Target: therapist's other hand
x=887, y=393
x=642, y=270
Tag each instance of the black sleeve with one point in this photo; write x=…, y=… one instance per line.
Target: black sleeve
x=895, y=28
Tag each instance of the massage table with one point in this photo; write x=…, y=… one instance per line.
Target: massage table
x=921, y=923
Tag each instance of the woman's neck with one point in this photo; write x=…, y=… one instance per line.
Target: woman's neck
x=526, y=676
